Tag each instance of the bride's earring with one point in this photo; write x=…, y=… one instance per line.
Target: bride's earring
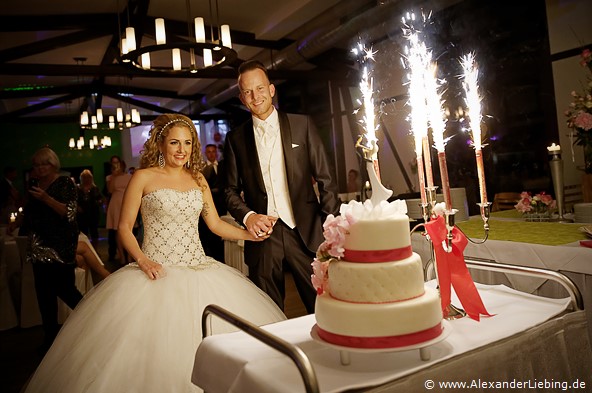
x=160, y=160
x=188, y=165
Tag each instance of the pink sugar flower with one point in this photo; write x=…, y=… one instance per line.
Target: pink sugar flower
x=320, y=276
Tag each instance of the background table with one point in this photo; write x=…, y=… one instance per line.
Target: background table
x=515, y=343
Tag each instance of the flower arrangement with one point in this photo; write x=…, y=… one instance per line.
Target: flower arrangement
x=540, y=204
x=334, y=230
x=579, y=114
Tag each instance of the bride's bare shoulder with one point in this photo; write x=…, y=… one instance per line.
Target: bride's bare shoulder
x=144, y=177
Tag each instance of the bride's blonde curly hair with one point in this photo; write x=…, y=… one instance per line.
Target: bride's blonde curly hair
x=158, y=133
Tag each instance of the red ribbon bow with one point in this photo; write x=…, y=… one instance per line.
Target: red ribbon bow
x=452, y=269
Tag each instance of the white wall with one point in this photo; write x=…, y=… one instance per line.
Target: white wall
x=570, y=27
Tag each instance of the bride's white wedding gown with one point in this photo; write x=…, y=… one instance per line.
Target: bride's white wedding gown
x=133, y=334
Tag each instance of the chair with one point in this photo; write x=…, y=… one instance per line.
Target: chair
x=571, y=195
x=505, y=201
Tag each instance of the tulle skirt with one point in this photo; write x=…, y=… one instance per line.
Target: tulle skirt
x=132, y=334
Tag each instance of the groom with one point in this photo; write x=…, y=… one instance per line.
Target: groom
x=273, y=159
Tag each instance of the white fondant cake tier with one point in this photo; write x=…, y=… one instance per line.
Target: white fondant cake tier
x=378, y=320
x=367, y=235
x=376, y=282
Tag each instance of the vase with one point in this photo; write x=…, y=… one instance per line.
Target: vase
x=588, y=158
x=538, y=214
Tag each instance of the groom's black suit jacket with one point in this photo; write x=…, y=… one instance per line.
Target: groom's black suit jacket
x=304, y=158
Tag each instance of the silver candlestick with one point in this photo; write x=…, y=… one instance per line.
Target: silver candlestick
x=556, y=164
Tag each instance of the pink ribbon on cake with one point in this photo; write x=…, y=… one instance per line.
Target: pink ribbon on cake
x=452, y=270
x=395, y=254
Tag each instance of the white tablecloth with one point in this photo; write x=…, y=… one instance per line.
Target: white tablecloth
x=251, y=366
x=571, y=260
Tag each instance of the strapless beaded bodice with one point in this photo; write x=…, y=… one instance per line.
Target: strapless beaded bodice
x=171, y=234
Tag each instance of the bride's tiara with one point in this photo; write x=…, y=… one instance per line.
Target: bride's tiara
x=171, y=122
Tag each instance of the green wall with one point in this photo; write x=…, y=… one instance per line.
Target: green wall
x=20, y=141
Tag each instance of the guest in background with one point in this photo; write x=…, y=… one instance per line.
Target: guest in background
x=117, y=182
x=111, y=235
x=213, y=172
x=9, y=195
x=90, y=203
x=50, y=223
x=139, y=330
x=272, y=159
x=87, y=258
x=353, y=181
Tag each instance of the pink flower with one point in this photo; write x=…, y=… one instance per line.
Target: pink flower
x=539, y=202
x=523, y=205
x=320, y=276
x=584, y=121
x=334, y=230
x=545, y=198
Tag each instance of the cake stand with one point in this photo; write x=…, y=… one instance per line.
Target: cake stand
x=424, y=347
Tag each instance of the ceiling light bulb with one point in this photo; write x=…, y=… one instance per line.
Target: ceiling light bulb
x=200, y=31
x=176, y=59
x=124, y=48
x=130, y=36
x=226, y=40
x=84, y=118
x=207, y=57
x=146, y=61
x=160, y=31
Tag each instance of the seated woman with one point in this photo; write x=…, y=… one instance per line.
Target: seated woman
x=87, y=258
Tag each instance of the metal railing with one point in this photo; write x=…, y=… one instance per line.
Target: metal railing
x=295, y=354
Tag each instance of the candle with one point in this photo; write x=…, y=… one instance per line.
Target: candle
x=436, y=118
x=13, y=217
x=554, y=148
x=415, y=61
x=428, y=160
x=422, y=191
x=444, y=179
x=473, y=102
x=481, y=175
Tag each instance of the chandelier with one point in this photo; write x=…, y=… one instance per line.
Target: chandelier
x=93, y=143
x=121, y=120
x=199, y=51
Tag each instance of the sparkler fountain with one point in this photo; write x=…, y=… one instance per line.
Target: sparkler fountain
x=446, y=240
x=473, y=103
x=370, y=147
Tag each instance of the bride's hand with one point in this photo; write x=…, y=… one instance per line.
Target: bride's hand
x=259, y=238
x=153, y=270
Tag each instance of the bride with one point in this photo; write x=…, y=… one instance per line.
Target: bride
x=138, y=330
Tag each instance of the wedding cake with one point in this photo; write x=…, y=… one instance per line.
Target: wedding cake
x=369, y=282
